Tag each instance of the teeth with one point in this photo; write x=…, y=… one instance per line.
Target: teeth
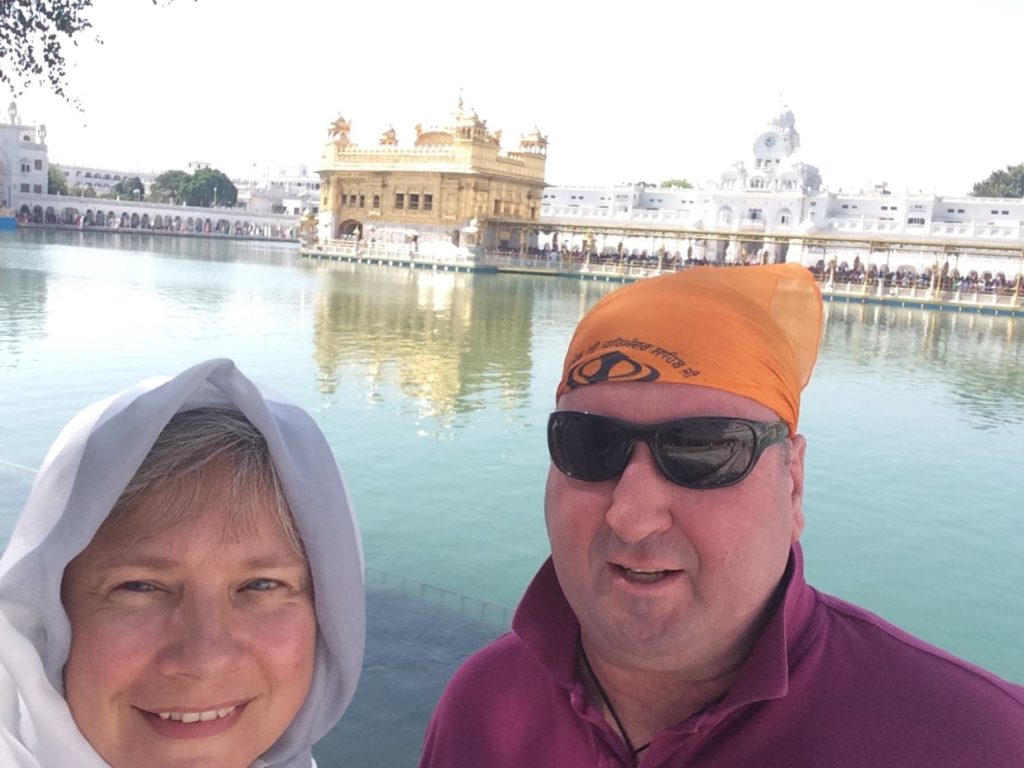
x=645, y=570
x=195, y=717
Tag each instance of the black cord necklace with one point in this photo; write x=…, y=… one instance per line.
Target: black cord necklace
x=608, y=704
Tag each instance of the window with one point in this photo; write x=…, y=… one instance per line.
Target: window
x=959, y=210
x=399, y=201
x=24, y=187
x=784, y=218
x=497, y=207
x=754, y=214
x=1006, y=213
x=846, y=206
x=414, y=201
x=38, y=165
x=950, y=210
x=376, y=201
x=38, y=189
x=428, y=202
x=995, y=213
x=915, y=220
x=362, y=201
x=352, y=200
x=344, y=200
x=26, y=168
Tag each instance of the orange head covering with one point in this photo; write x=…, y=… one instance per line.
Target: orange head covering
x=753, y=331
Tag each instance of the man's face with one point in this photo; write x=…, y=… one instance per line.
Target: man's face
x=193, y=646
x=666, y=577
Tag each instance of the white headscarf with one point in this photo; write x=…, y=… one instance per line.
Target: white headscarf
x=83, y=475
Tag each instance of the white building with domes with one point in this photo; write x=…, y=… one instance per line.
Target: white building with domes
x=754, y=205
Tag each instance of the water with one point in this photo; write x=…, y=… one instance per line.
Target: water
x=433, y=390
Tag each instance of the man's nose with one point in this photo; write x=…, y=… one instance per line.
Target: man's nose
x=642, y=498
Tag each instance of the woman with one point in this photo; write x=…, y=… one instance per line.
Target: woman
x=184, y=585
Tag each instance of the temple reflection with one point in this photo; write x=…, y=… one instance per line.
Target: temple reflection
x=441, y=339
x=977, y=357
x=23, y=294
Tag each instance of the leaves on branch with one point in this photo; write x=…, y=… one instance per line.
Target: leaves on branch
x=33, y=36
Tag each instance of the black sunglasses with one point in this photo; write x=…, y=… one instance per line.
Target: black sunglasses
x=703, y=452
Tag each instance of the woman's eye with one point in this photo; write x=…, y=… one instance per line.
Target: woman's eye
x=263, y=585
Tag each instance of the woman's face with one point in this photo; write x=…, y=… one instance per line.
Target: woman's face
x=192, y=646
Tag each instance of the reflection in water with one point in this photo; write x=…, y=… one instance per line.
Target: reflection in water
x=443, y=339
x=22, y=316
x=976, y=357
x=191, y=248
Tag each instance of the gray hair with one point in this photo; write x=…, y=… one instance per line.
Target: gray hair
x=178, y=468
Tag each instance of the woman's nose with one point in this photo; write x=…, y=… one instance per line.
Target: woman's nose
x=202, y=638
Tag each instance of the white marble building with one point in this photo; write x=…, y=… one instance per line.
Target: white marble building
x=774, y=194
x=23, y=161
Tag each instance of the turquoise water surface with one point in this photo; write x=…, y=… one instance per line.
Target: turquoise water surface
x=433, y=389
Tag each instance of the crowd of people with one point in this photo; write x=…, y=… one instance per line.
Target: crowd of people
x=948, y=279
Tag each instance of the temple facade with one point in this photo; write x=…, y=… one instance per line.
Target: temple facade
x=455, y=185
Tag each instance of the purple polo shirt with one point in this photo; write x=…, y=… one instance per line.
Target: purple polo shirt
x=827, y=685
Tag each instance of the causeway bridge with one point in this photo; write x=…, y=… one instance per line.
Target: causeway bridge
x=101, y=213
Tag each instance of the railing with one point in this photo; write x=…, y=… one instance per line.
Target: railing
x=383, y=251
x=463, y=603
x=604, y=266
x=944, y=291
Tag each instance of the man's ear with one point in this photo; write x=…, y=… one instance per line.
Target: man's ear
x=798, y=449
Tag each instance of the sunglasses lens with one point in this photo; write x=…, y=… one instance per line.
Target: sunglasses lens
x=706, y=453
x=587, y=447
x=698, y=453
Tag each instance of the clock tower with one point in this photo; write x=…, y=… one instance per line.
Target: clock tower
x=777, y=140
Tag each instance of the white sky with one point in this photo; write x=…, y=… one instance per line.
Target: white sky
x=924, y=95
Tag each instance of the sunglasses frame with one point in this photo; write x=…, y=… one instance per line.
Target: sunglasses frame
x=766, y=433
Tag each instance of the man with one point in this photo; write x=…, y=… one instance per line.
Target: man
x=672, y=625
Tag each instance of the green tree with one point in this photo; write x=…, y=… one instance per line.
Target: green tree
x=209, y=187
x=169, y=187
x=130, y=188
x=56, y=181
x=681, y=183
x=33, y=34
x=1008, y=183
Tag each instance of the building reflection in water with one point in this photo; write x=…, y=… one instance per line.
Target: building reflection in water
x=23, y=294
x=979, y=358
x=442, y=339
